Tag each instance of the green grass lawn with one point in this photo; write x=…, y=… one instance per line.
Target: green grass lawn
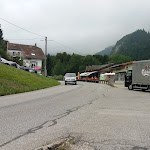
x=14, y=81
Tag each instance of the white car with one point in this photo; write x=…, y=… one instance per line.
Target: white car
x=70, y=78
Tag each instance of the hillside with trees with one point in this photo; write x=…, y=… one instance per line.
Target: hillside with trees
x=106, y=51
x=135, y=45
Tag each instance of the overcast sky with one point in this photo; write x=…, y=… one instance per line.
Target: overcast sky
x=83, y=26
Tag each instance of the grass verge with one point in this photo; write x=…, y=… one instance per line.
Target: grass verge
x=14, y=81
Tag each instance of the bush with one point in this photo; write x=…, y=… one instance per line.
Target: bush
x=59, y=77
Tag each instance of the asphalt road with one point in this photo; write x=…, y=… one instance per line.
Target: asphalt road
x=104, y=117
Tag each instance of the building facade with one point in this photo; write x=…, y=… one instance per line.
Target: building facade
x=32, y=55
x=121, y=69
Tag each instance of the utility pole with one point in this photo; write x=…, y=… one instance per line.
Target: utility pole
x=45, y=70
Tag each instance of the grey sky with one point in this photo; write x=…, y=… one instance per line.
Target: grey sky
x=86, y=26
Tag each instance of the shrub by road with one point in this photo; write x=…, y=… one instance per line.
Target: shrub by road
x=14, y=81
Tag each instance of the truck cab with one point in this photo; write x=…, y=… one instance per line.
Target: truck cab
x=128, y=78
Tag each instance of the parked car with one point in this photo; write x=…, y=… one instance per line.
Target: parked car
x=10, y=63
x=4, y=61
x=14, y=64
x=70, y=78
x=28, y=69
x=32, y=70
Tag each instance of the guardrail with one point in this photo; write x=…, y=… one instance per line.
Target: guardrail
x=98, y=81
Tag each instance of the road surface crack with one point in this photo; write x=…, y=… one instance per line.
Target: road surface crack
x=53, y=122
x=32, y=130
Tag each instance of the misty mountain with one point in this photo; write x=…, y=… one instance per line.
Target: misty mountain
x=106, y=51
x=135, y=45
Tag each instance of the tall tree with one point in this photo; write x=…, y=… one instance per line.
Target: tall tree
x=1, y=33
x=90, y=60
x=74, y=63
x=49, y=65
x=58, y=69
x=3, y=45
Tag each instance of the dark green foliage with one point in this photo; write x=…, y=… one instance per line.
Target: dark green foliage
x=3, y=46
x=58, y=68
x=49, y=64
x=63, y=62
x=1, y=34
x=3, y=53
x=119, y=59
x=59, y=77
x=74, y=63
x=90, y=60
x=135, y=45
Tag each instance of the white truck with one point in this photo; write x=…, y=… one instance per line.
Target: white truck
x=139, y=76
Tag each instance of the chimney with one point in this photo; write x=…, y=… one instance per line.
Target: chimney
x=35, y=44
x=27, y=52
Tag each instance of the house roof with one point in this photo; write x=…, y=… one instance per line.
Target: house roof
x=124, y=64
x=128, y=63
x=98, y=67
x=116, y=66
x=109, y=69
x=28, y=51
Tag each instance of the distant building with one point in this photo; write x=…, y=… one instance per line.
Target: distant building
x=121, y=69
x=96, y=70
x=32, y=55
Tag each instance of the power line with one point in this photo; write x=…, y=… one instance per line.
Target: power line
x=26, y=39
x=37, y=35
x=22, y=28
x=67, y=47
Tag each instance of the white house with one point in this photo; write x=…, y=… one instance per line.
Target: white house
x=32, y=55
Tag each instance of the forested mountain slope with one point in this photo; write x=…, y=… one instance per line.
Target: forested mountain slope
x=135, y=45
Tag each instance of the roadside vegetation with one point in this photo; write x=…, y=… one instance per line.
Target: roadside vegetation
x=14, y=81
x=58, y=77
x=63, y=62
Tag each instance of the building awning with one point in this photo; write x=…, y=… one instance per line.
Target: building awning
x=109, y=74
x=87, y=73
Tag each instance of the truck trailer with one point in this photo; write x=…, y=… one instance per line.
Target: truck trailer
x=139, y=76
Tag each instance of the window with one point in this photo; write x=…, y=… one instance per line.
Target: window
x=19, y=54
x=32, y=65
x=14, y=54
x=129, y=73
